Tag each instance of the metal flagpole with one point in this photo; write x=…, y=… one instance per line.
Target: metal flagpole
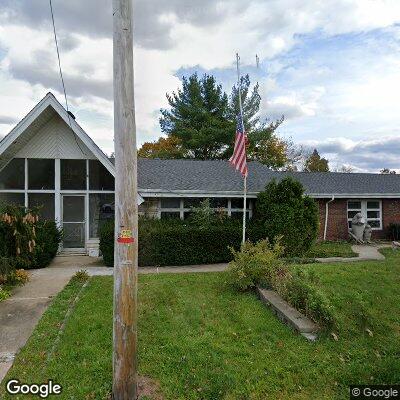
x=245, y=177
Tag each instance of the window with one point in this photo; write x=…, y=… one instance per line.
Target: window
x=12, y=176
x=17, y=199
x=170, y=202
x=73, y=174
x=370, y=210
x=99, y=177
x=45, y=203
x=40, y=174
x=101, y=209
x=192, y=202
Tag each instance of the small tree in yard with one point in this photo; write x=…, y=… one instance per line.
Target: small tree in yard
x=284, y=211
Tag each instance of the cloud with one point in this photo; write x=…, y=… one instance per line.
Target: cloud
x=321, y=64
x=365, y=155
x=7, y=120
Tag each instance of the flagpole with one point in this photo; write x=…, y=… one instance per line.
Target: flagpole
x=245, y=177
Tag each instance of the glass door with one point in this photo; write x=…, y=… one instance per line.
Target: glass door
x=73, y=222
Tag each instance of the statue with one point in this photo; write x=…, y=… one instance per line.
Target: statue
x=360, y=231
x=367, y=234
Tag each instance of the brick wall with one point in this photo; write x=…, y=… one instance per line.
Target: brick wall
x=337, y=218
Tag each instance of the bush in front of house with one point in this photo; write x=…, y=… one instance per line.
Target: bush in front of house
x=48, y=239
x=28, y=241
x=255, y=265
x=284, y=211
x=174, y=242
x=261, y=265
x=394, y=231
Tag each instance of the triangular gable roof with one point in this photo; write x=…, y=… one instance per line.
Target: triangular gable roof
x=38, y=112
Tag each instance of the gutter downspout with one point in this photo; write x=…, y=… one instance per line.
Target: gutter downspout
x=326, y=215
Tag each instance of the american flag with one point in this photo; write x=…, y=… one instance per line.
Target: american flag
x=238, y=159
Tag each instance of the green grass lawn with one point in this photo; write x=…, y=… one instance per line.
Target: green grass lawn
x=200, y=340
x=331, y=249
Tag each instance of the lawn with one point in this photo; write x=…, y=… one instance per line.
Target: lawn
x=200, y=340
x=331, y=249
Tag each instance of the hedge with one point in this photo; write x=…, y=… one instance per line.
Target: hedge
x=177, y=243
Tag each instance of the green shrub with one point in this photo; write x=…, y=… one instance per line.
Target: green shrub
x=255, y=264
x=48, y=238
x=176, y=242
x=7, y=266
x=106, y=246
x=283, y=210
x=29, y=242
x=4, y=293
x=81, y=276
x=394, y=231
x=301, y=291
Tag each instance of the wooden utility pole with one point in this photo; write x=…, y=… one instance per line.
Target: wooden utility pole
x=126, y=212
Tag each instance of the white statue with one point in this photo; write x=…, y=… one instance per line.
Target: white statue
x=360, y=230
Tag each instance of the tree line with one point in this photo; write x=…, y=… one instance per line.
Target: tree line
x=200, y=123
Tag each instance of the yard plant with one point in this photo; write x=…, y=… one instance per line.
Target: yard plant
x=25, y=239
x=284, y=211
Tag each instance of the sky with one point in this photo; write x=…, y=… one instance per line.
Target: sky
x=331, y=67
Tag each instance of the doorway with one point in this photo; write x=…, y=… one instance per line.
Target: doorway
x=74, y=222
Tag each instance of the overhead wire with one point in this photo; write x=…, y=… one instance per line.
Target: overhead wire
x=62, y=77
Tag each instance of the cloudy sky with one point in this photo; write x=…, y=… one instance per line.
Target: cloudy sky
x=331, y=67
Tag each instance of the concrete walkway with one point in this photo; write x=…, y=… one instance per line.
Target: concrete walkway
x=365, y=253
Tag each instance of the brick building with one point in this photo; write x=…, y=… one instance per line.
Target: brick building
x=48, y=160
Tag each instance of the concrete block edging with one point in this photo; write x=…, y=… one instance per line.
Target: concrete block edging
x=288, y=315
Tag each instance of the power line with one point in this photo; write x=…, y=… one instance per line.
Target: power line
x=61, y=75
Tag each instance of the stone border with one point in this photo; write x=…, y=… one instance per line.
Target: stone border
x=289, y=315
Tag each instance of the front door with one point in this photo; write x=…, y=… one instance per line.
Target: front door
x=73, y=222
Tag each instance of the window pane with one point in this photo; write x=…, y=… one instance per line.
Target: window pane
x=73, y=174
x=73, y=208
x=99, y=177
x=12, y=176
x=170, y=202
x=375, y=224
x=101, y=209
x=351, y=214
x=187, y=214
x=192, y=202
x=354, y=205
x=373, y=214
x=45, y=202
x=236, y=203
x=41, y=174
x=17, y=199
x=170, y=215
x=373, y=205
x=219, y=202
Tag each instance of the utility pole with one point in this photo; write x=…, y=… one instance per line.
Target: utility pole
x=126, y=208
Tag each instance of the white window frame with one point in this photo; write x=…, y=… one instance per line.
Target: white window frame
x=181, y=210
x=364, y=211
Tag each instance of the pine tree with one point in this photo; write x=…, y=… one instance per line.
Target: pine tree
x=315, y=163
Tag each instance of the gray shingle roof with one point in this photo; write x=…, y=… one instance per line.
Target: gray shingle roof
x=219, y=176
